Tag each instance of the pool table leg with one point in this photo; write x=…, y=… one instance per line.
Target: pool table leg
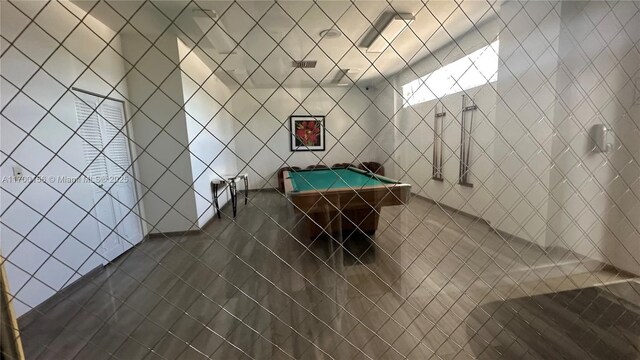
x=365, y=220
x=321, y=223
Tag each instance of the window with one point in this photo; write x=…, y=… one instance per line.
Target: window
x=475, y=69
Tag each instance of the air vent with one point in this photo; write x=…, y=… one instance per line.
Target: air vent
x=305, y=64
x=340, y=76
x=345, y=77
x=206, y=13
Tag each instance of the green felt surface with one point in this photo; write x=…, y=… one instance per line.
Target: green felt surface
x=324, y=179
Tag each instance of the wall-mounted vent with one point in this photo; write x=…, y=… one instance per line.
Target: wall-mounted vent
x=304, y=64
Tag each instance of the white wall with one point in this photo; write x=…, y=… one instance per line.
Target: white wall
x=160, y=126
x=348, y=119
x=524, y=114
x=210, y=129
x=598, y=61
x=509, y=173
x=561, y=71
x=28, y=250
x=413, y=132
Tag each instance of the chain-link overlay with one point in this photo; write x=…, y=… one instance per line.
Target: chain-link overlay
x=533, y=256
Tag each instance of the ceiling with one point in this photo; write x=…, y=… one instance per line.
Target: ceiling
x=255, y=42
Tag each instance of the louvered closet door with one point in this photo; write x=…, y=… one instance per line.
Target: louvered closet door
x=118, y=161
x=106, y=152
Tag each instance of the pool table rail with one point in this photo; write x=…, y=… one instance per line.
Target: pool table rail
x=359, y=206
x=393, y=193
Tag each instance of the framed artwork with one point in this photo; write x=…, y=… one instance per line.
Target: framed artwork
x=307, y=132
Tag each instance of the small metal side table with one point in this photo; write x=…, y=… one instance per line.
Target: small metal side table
x=245, y=179
x=229, y=181
x=216, y=186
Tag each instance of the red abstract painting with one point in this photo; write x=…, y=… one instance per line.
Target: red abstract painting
x=307, y=133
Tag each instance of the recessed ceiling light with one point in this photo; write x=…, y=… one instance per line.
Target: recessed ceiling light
x=330, y=33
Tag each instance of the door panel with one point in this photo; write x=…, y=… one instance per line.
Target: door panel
x=129, y=227
x=106, y=151
x=119, y=165
x=110, y=247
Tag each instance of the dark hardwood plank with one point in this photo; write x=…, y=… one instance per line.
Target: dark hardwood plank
x=257, y=287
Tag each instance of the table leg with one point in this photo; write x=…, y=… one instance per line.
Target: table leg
x=234, y=196
x=214, y=190
x=246, y=190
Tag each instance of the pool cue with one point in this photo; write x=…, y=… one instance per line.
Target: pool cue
x=462, y=144
x=437, y=143
x=465, y=147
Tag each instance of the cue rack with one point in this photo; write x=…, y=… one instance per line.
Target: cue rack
x=466, y=126
x=438, y=122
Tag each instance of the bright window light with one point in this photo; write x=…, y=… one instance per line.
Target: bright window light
x=475, y=69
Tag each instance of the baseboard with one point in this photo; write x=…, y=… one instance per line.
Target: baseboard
x=173, y=233
x=505, y=235
x=194, y=231
x=215, y=214
x=267, y=189
x=617, y=270
x=211, y=219
x=27, y=318
x=588, y=263
x=451, y=208
x=513, y=238
x=525, y=273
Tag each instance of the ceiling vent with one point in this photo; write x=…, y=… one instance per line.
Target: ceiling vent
x=304, y=64
x=344, y=77
x=204, y=13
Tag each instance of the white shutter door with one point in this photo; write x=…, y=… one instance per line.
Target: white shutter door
x=118, y=165
x=117, y=150
x=92, y=144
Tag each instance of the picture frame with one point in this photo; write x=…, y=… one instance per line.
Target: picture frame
x=307, y=132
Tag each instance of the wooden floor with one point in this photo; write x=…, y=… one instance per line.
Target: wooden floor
x=592, y=323
x=256, y=288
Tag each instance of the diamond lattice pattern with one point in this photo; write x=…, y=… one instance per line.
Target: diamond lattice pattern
x=117, y=116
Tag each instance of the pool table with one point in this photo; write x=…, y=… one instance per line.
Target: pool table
x=342, y=200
